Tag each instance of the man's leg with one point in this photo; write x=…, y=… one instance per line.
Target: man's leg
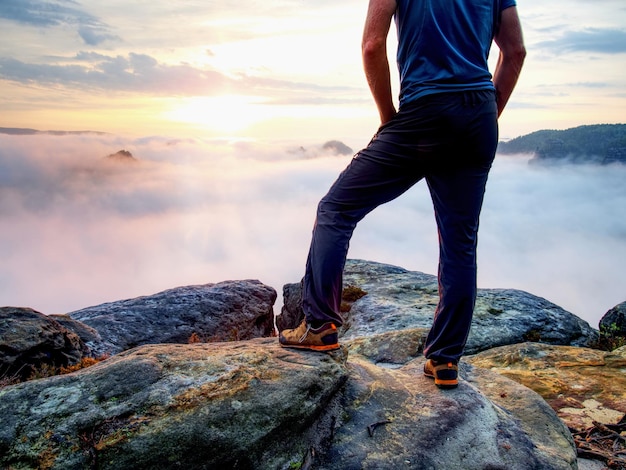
x=395, y=159
x=457, y=206
x=366, y=183
x=457, y=194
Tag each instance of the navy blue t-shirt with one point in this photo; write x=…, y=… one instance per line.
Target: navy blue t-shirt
x=443, y=45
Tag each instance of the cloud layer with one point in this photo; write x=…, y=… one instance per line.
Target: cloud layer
x=79, y=230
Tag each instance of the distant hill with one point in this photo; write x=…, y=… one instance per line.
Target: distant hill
x=27, y=131
x=599, y=143
x=122, y=156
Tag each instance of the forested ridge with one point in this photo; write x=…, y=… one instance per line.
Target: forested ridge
x=600, y=143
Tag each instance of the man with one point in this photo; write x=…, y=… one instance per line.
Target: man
x=445, y=132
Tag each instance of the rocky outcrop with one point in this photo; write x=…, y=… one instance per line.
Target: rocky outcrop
x=614, y=321
x=122, y=156
x=251, y=404
x=254, y=405
x=30, y=340
x=88, y=335
x=225, y=405
x=396, y=418
x=229, y=310
x=404, y=301
x=584, y=385
x=337, y=148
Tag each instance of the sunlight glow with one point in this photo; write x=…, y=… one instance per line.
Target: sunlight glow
x=236, y=115
x=226, y=113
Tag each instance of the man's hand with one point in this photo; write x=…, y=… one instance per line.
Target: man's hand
x=512, y=53
x=374, y=50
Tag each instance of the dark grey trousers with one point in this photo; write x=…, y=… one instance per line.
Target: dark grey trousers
x=448, y=139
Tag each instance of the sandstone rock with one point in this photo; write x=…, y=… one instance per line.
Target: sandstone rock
x=401, y=300
x=587, y=464
x=221, y=405
x=255, y=405
x=614, y=321
x=291, y=313
x=30, y=339
x=88, y=335
x=399, y=419
x=583, y=385
x=390, y=347
x=226, y=311
x=505, y=316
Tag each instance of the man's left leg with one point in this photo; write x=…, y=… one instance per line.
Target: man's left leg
x=457, y=192
x=457, y=199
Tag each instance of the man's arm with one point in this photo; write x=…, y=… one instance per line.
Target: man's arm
x=374, y=51
x=512, y=53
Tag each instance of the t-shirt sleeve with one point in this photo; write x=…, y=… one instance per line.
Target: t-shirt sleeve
x=507, y=3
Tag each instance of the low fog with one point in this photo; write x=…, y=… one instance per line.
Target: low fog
x=79, y=229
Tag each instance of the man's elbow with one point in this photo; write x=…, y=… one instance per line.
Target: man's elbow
x=518, y=57
x=519, y=53
x=515, y=54
x=372, y=48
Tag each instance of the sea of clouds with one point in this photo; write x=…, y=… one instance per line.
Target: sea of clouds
x=79, y=229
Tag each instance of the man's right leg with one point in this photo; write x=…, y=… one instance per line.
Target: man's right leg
x=366, y=183
x=392, y=162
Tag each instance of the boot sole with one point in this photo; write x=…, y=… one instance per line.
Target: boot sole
x=326, y=347
x=446, y=383
x=443, y=383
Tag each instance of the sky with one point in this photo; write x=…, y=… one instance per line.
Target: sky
x=270, y=70
x=227, y=108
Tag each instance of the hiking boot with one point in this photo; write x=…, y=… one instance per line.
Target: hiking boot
x=446, y=374
x=304, y=336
